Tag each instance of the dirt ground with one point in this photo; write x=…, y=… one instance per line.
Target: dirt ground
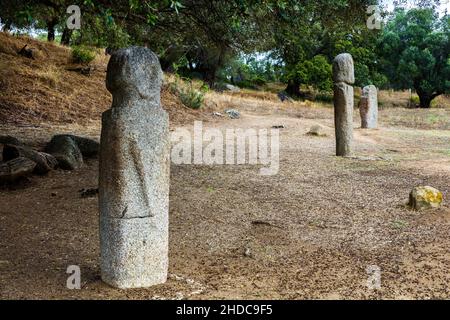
x=309, y=232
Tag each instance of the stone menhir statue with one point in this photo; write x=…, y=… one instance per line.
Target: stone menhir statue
x=343, y=78
x=368, y=107
x=134, y=173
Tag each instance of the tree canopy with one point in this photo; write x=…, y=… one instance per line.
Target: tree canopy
x=415, y=53
x=297, y=39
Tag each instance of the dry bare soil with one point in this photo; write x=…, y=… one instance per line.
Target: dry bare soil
x=309, y=232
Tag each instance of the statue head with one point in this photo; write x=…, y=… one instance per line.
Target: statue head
x=134, y=73
x=343, y=69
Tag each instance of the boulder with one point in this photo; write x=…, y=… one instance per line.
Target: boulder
x=317, y=131
x=14, y=169
x=44, y=161
x=89, y=148
x=66, y=151
x=425, y=197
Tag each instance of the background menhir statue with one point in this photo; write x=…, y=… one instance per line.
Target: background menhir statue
x=134, y=173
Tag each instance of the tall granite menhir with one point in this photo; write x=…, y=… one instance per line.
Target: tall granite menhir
x=134, y=173
x=343, y=78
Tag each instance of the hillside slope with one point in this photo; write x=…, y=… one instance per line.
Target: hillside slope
x=43, y=90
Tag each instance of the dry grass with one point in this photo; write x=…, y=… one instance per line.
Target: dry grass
x=43, y=90
x=404, y=99
x=434, y=118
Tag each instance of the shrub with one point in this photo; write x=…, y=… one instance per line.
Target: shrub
x=191, y=97
x=82, y=54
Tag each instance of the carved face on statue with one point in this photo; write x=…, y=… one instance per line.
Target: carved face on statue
x=134, y=73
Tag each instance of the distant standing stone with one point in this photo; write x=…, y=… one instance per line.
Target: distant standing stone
x=425, y=198
x=368, y=107
x=343, y=77
x=134, y=173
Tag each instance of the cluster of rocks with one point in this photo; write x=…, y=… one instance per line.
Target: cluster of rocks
x=63, y=151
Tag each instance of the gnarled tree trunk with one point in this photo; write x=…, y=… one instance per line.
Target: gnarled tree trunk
x=66, y=35
x=293, y=88
x=426, y=98
x=51, y=30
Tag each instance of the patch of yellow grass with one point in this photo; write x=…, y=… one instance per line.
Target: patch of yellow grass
x=49, y=74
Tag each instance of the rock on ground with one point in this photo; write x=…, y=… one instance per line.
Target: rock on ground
x=317, y=130
x=66, y=151
x=233, y=114
x=14, y=169
x=44, y=161
x=425, y=197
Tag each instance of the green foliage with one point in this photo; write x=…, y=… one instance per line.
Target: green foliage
x=83, y=54
x=303, y=30
x=250, y=71
x=415, y=53
x=315, y=72
x=190, y=96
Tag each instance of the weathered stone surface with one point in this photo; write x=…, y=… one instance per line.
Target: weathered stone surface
x=343, y=69
x=343, y=118
x=88, y=147
x=368, y=107
x=425, y=197
x=44, y=161
x=66, y=151
x=14, y=169
x=134, y=173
